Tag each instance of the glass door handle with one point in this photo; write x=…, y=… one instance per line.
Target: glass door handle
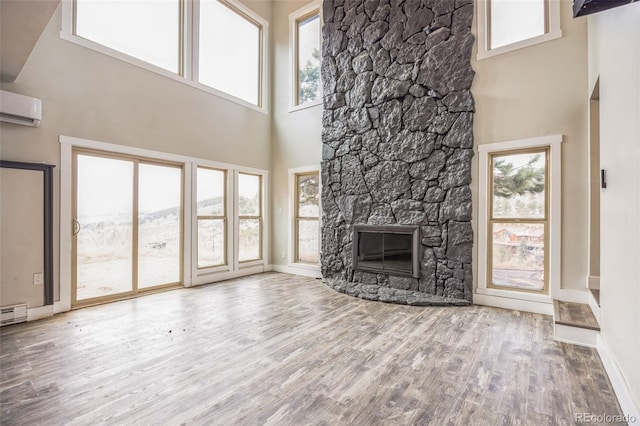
x=76, y=227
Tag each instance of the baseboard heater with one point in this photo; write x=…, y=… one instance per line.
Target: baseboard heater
x=13, y=314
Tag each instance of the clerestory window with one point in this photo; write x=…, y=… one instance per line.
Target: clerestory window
x=215, y=45
x=506, y=25
x=305, y=34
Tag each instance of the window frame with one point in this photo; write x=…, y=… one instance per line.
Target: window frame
x=297, y=218
x=302, y=14
x=191, y=275
x=491, y=219
x=554, y=217
x=552, y=29
x=259, y=217
x=224, y=218
x=188, y=60
x=136, y=160
x=309, y=269
x=250, y=17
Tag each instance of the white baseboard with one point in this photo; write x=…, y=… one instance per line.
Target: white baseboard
x=593, y=282
x=221, y=276
x=515, y=304
x=595, y=308
x=630, y=409
x=39, y=313
x=306, y=272
x=61, y=306
x=575, y=335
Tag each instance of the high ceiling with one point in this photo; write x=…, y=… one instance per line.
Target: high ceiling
x=21, y=24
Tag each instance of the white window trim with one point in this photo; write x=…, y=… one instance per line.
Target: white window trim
x=228, y=266
x=189, y=25
x=292, y=219
x=555, y=216
x=264, y=254
x=191, y=275
x=554, y=31
x=293, y=48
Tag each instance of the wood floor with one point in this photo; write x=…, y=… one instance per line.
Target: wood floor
x=284, y=350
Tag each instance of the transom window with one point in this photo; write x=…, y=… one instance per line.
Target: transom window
x=506, y=25
x=229, y=51
x=149, y=31
x=215, y=45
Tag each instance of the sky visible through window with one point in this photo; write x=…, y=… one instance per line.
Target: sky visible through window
x=515, y=20
x=309, y=59
x=145, y=29
x=229, y=52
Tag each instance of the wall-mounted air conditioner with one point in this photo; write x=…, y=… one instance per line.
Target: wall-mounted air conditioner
x=20, y=109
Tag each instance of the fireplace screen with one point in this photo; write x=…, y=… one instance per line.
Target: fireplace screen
x=391, y=249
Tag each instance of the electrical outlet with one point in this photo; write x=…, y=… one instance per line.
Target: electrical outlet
x=38, y=279
x=283, y=255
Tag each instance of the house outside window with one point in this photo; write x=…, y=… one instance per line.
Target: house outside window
x=519, y=219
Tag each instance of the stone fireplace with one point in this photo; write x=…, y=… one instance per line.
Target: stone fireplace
x=398, y=143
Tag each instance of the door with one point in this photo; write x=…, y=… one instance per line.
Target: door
x=127, y=226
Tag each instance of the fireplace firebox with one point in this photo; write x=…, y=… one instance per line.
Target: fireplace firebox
x=388, y=249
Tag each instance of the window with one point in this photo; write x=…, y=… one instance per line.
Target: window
x=211, y=217
x=134, y=220
x=307, y=217
x=214, y=45
x=249, y=217
x=128, y=232
x=519, y=218
x=506, y=25
x=149, y=31
x=305, y=55
x=233, y=67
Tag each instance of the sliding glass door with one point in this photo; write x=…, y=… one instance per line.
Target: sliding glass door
x=127, y=226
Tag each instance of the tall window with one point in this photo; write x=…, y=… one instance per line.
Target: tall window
x=127, y=235
x=229, y=51
x=518, y=222
x=505, y=25
x=211, y=217
x=305, y=44
x=215, y=45
x=249, y=217
x=307, y=215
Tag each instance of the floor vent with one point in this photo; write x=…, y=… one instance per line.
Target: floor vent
x=13, y=314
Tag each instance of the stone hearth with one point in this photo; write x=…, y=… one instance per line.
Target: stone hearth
x=398, y=141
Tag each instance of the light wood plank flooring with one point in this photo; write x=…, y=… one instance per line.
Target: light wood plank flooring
x=284, y=350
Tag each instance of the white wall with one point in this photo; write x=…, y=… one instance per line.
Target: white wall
x=296, y=136
x=21, y=236
x=614, y=57
x=89, y=95
x=540, y=91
